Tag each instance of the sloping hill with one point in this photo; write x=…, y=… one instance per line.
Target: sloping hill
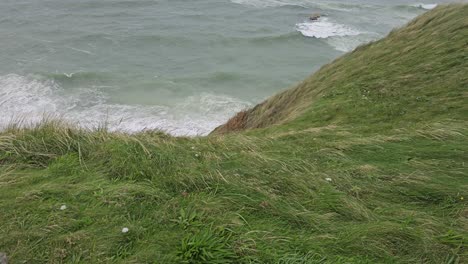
x=415, y=74
x=364, y=162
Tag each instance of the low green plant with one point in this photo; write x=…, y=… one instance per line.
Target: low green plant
x=189, y=217
x=205, y=246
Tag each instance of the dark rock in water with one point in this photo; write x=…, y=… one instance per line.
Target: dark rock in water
x=314, y=17
x=3, y=258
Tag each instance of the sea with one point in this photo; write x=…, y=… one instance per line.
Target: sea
x=179, y=66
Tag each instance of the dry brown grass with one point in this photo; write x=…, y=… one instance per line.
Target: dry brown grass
x=236, y=123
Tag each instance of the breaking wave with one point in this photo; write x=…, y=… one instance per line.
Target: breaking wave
x=29, y=99
x=324, y=28
x=341, y=37
x=339, y=6
x=425, y=6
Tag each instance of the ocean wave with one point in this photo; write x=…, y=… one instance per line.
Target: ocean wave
x=349, y=43
x=29, y=99
x=324, y=28
x=425, y=6
x=222, y=77
x=415, y=7
x=344, y=7
x=341, y=37
x=25, y=97
x=319, y=5
x=76, y=78
x=105, y=4
x=275, y=38
x=214, y=77
x=269, y=3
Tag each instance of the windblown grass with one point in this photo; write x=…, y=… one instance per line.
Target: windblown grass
x=416, y=73
x=390, y=199
x=322, y=187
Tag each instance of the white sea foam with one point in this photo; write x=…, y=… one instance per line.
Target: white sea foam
x=349, y=43
x=341, y=37
x=324, y=28
x=268, y=3
x=344, y=44
x=326, y=5
x=425, y=6
x=23, y=97
x=30, y=99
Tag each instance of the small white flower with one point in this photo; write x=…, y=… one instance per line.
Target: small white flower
x=63, y=207
x=328, y=179
x=197, y=155
x=125, y=230
x=193, y=147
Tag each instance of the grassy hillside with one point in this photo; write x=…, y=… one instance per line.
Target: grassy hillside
x=364, y=162
x=416, y=74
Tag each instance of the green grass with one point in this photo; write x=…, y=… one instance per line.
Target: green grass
x=365, y=162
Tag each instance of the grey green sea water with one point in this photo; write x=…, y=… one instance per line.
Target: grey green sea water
x=180, y=66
